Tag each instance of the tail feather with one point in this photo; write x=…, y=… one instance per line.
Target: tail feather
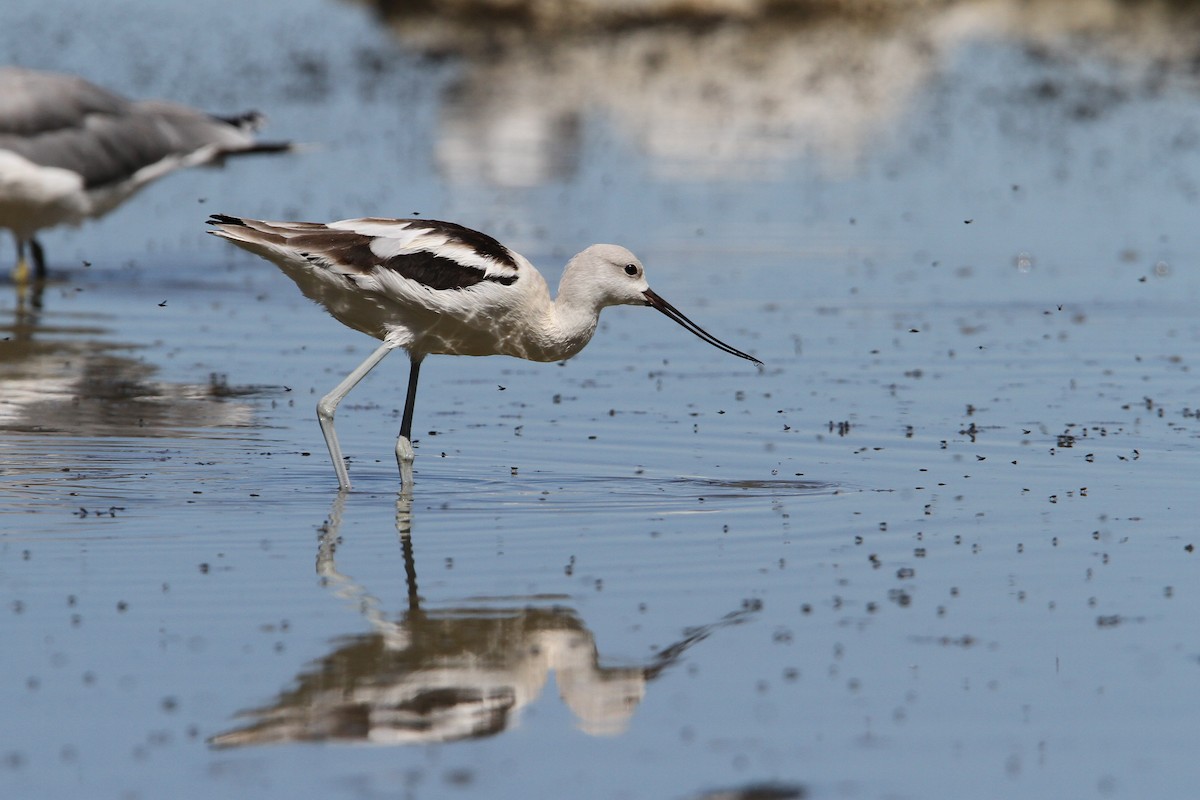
x=272, y=147
x=261, y=147
x=249, y=121
x=252, y=234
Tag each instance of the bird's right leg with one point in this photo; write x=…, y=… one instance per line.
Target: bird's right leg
x=404, y=448
x=39, y=258
x=329, y=403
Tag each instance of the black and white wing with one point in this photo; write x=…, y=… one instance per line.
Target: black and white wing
x=434, y=255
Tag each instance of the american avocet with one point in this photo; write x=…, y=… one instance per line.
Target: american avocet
x=436, y=287
x=71, y=151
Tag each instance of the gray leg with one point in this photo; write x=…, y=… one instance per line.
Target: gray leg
x=329, y=403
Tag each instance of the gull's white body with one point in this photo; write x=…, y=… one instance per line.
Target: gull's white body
x=431, y=287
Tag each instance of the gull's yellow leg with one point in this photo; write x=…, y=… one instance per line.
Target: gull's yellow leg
x=21, y=270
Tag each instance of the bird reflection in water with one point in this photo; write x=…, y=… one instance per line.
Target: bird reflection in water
x=448, y=674
x=63, y=373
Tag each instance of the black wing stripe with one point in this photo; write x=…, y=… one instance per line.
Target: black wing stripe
x=483, y=245
x=353, y=251
x=438, y=272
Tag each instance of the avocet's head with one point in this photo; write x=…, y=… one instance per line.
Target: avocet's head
x=609, y=275
x=616, y=277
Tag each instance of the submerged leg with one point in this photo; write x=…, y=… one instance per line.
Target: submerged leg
x=329, y=403
x=404, y=448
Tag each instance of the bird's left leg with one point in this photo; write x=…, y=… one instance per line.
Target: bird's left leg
x=21, y=270
x=329, y=403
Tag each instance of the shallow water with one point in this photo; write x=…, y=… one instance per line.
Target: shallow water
x=941, y=545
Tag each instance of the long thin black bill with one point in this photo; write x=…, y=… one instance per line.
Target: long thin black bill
x=654, y=301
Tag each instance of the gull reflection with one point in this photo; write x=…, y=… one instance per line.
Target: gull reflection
x=61, y=374
x=451, y=673
x=727, y=90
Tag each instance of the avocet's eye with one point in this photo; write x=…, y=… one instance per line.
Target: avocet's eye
x=631, y=269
